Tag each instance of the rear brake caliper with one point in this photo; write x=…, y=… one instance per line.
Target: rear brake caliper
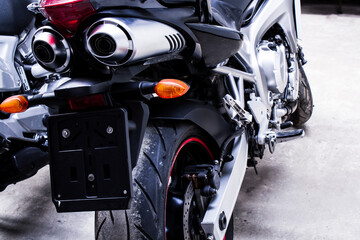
x=202, y=183
x=205, y=177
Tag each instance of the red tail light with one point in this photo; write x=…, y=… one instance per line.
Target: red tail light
x=87, y=102
x=66, y=14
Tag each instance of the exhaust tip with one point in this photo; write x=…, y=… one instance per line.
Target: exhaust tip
x=108, y=43
x=44, y=52
x=51, y=50
x=102, y=45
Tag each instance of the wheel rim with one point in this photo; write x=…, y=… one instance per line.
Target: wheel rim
x=191, y=151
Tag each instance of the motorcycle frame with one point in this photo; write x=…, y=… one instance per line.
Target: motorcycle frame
x=286, y=14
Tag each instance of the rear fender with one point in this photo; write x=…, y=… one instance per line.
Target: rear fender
x=205, y=116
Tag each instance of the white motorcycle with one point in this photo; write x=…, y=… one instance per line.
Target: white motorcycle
x=166, y=104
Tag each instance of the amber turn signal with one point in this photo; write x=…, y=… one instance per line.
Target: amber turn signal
x=14, y=104
x=171, y=88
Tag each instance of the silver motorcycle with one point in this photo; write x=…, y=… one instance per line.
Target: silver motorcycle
x=165, y=105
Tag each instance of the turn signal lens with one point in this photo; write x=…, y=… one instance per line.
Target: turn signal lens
x=14, y=104
x=171, y=88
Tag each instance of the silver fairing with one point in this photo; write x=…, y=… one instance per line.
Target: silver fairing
x=9, y=79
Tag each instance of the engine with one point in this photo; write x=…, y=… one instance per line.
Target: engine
x=272, y=61
x=280, y=69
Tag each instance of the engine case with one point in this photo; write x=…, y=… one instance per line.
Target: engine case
x=273, y=64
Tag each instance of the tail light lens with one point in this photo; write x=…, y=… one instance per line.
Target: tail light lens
x=66, y=14
x=86, y=102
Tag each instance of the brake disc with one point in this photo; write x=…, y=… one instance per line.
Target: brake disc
x=188, y=200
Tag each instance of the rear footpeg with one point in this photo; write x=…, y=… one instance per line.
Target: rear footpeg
x=285, y=136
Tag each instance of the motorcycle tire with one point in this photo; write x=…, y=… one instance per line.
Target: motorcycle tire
x=166, y=149
x=304, y=108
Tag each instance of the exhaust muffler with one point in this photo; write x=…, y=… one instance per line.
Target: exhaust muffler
x=51, y=49
x=116, y=41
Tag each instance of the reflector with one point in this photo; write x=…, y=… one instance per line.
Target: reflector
x=87, y=102
x=14, y=104
x=171, y=88
x=66, y=14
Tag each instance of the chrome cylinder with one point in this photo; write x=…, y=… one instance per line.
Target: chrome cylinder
x=51, y=50
x=116, y=41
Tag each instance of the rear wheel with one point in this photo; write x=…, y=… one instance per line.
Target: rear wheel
x=304, y=108
x=163, y=207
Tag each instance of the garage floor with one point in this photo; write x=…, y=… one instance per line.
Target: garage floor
x=308, y=189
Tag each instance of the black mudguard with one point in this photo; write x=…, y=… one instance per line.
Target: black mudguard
x=203, y=115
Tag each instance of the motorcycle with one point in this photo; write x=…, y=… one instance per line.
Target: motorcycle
x=19, y=73
x=166, y=104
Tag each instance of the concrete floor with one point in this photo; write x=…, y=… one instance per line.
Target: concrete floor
x=308, y=189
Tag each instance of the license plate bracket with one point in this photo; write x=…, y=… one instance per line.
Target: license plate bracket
x=90, y=166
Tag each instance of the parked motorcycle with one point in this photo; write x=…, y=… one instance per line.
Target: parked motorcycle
x=19, y=73
x=166, y=104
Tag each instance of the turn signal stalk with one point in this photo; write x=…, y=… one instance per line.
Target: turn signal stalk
x=171, y=88
x=14, y=104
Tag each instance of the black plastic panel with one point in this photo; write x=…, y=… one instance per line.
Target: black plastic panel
x=217, y=43
x=90, y=161
x=14, y=16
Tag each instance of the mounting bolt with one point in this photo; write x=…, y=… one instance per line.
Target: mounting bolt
x=125, y=192
x=65, y=133
x=210, y=237
x=109, y=130
x=222, y=221
x=91, y=177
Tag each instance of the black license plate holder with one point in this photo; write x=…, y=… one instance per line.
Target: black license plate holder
x=90, y=161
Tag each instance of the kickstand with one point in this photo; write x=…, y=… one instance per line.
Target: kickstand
x=252, y=163
x=256, y=172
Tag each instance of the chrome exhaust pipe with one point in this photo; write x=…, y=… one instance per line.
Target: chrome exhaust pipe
x=116, y=41
x=51, y=50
